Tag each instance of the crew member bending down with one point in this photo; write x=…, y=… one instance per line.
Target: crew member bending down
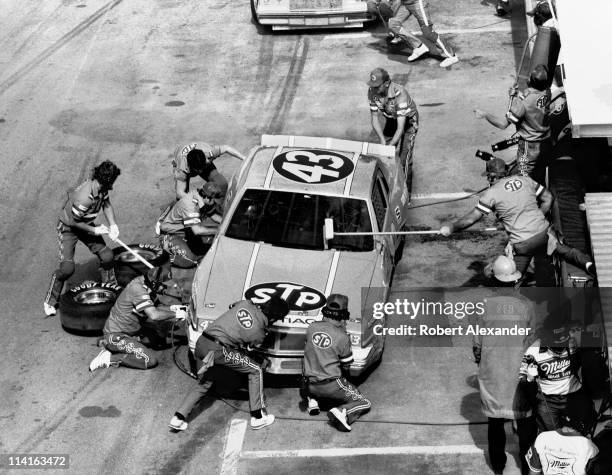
x=420, y=9
x=326, y=354
x=391, y=103
x=195, y=214
x=228, y=342
x=76, y=223
x=133, y=307
x=196, y=159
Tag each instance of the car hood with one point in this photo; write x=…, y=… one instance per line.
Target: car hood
x=243, y=269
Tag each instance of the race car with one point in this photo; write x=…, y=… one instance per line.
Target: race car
x=271, y=241
x=309, y=14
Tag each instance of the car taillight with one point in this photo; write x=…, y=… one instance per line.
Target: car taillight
x=355, y=339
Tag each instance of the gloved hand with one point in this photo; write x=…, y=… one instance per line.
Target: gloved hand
x=180, y=311
x=446, y=230
x=100, y=229
x=113, y=232
x=532, y=372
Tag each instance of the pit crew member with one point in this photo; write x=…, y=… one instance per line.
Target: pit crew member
x=394, y=116
x=135, y=305
x=420, y=9
x=76, y=223
x=327, y=352
x=228, y=341
x=196, y=159
x=530, y=114
x=195, y=214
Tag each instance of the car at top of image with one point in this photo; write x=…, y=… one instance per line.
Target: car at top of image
x=310, y=14
x=271, y=241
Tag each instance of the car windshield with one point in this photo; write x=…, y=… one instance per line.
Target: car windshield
x=295, y=220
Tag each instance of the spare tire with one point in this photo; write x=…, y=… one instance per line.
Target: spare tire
x=127, y=266
x=84, y=308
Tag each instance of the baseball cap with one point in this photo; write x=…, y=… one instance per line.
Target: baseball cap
x=542, y=8
x=495, y=166
x=377, y=77
x=539, y=77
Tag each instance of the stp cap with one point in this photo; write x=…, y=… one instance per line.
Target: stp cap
x=377, y=77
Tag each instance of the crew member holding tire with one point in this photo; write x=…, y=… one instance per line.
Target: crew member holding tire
x=327, y=354
x=196, y=159
x=228, y=342
x=76, y=223
x=394, y=117
x=195, y=214
x=135, y=305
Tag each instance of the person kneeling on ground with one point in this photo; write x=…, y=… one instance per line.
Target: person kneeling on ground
x=135, y=304
x=327, y=355
x=195, y=214
x=228, y=341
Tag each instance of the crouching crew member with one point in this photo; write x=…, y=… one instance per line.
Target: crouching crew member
x=76, y=223
x=196, y=159
x=134, y=306
x=327, y=353
x=195, y=214
x=228, y=342
x=394, y=116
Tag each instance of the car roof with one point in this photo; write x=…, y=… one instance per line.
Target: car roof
x=269, y=168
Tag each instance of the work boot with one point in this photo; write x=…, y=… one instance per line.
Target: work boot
x=418, y=52
x=338, y=418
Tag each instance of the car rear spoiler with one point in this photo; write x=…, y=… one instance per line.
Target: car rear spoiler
x=328, y=143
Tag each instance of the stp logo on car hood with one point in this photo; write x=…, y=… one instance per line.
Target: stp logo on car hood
x=299, y=298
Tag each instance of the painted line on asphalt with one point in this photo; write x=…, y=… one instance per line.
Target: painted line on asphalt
x=458, y=31
x=233, y=446
x=440, y=196
x=357, y=451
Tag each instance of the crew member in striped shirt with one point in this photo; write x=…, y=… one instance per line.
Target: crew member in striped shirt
x=394, y=116
x=76, y=223
x=195, y=214
x=553, y=360
x=327, y=355
x=136, y=304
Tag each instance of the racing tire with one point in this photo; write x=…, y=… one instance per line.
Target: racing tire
x=254, y=18
x=84, y=308
x=127, y=266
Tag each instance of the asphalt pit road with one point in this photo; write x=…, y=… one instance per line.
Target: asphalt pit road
x=2, y=121
x=148, y=81
x=174, y=104
x=82, y=5
x=179, y=55
x=97, y=411
x=432, y=104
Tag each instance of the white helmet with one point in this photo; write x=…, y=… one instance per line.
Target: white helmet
x=503, y=269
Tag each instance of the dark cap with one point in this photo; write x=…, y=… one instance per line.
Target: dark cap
x=210, y=190
x=557, y=336
x=377, y=77
x=336, y=307
x=495, y=166
x=542, y=9
x=275, y=308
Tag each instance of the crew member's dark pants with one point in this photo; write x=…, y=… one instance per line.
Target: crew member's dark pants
x=181, y=253
x=232, y=359
x=129, y=351
x=551, y=409
x=527, y=432
x=420, y=10
x=340, y=390
x=406, y=144
x=67, y=238
x=535, y=247
x=532, y=159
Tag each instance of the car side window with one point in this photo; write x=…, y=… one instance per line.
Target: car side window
x=380, y=200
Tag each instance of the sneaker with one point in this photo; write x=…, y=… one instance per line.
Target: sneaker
x=313, y=407
x=338, y=418
x=262, y=422
x=178, y=424
x=49, y=309
x=449, y=61
x=100, y=361
x=418, y=52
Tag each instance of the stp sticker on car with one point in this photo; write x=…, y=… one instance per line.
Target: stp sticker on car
x=321, y=340
x=313, y=166
x=244, y=318
x=298, y=297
